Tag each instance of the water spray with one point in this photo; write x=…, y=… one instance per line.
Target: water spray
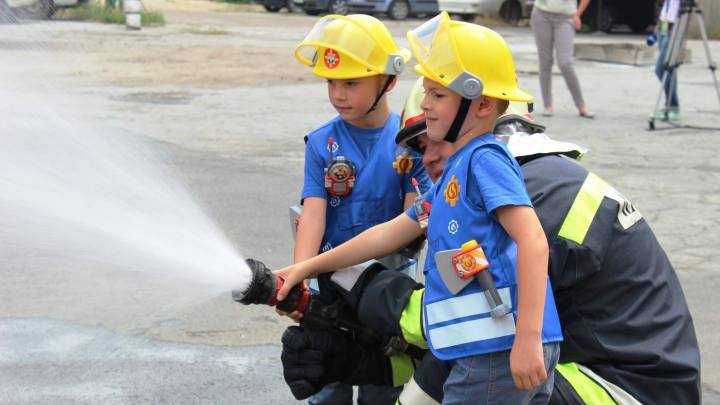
x=263, y=290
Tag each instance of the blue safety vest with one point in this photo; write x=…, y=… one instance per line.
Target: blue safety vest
x=461, y=325
x=381, y=182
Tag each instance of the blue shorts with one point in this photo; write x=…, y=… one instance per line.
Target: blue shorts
x=486, y=379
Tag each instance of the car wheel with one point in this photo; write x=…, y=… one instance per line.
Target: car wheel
x=511, y=11
x=339, y=7
x=399, y=10
x=292, y=8
x=272, y=9
x=38, y=10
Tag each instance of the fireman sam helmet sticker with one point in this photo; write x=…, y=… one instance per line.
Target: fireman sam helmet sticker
x=452, y=191
x=403, y=163
x=340, y=173
x=331, y=58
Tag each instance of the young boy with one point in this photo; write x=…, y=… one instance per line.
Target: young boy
x=353, y=180
x=469, y=77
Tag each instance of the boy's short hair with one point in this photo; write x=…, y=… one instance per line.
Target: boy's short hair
x=502, y=106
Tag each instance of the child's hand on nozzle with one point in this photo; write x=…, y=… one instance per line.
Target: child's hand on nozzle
x=293, y=275
x=295, y=315
x=527, y=363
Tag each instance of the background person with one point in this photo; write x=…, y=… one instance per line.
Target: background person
x=664, y=29
x=554, y=23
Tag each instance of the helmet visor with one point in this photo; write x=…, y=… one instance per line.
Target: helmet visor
x=338, y=37
x=443, y=64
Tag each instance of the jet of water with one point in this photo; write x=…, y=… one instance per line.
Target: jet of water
x=102, y=196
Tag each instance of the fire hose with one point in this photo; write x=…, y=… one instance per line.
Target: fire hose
x=263, y=290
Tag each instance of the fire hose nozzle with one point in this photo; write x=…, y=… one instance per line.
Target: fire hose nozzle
x=264, y=287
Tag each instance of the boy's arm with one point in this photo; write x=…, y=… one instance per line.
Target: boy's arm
x=310, y=229
x=409, y=200
x=378, y=241
x=526, y=358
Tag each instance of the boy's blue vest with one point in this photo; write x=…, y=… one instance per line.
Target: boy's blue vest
x=460, y=325
x=379, y=192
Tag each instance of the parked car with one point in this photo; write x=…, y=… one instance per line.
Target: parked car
x=316, y=7
x=274, y=6
x=395, y=9
x=509, y=10
x=18, y=10
x=636, y=14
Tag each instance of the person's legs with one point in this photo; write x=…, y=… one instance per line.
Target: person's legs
x=486, y=379
x=376, y=395
x=543, y=32
x=663, y=43
x=333, y=394
x=564, y=48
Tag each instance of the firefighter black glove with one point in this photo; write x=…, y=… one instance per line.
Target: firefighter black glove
x=313, y=360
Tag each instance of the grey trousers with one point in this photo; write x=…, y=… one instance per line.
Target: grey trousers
x=555, y=29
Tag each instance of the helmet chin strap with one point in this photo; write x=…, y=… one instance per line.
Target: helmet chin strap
x=377, y=100
x=459, y=120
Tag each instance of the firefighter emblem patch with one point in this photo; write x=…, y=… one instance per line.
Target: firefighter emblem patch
x=403, y=163
x=452, y=191
x=453, y=227
x=331, y=58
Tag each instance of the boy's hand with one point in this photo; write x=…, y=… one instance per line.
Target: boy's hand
x=527, y=363
x=293, y=275
x=295, y=315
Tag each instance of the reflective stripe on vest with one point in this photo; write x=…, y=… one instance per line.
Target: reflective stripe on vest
x=413, y=394
x=584, y=207
x=472, y=331
x=411, y=321
x=403, y=368
x=464, y=332
x=467, y=305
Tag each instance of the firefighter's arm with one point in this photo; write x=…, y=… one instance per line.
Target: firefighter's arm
x=313, y=360
x=392, y=305
x=378, y=241
x=526, y=358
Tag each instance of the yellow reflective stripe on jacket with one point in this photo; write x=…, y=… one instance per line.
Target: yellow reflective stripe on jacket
x=403, y=368
x=411, y=322
x=584, y=207
x=588, y=390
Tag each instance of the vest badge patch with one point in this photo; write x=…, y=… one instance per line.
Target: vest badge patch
x=403, y=163
x=452, y=191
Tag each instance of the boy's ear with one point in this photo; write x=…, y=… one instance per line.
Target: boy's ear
x=486, y=107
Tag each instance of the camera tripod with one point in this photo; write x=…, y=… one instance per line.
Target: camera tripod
x=674, y=58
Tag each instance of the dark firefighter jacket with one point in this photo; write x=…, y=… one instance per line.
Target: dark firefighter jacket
x=622, y=309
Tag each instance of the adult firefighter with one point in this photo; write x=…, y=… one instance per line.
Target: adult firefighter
x=628, y=335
